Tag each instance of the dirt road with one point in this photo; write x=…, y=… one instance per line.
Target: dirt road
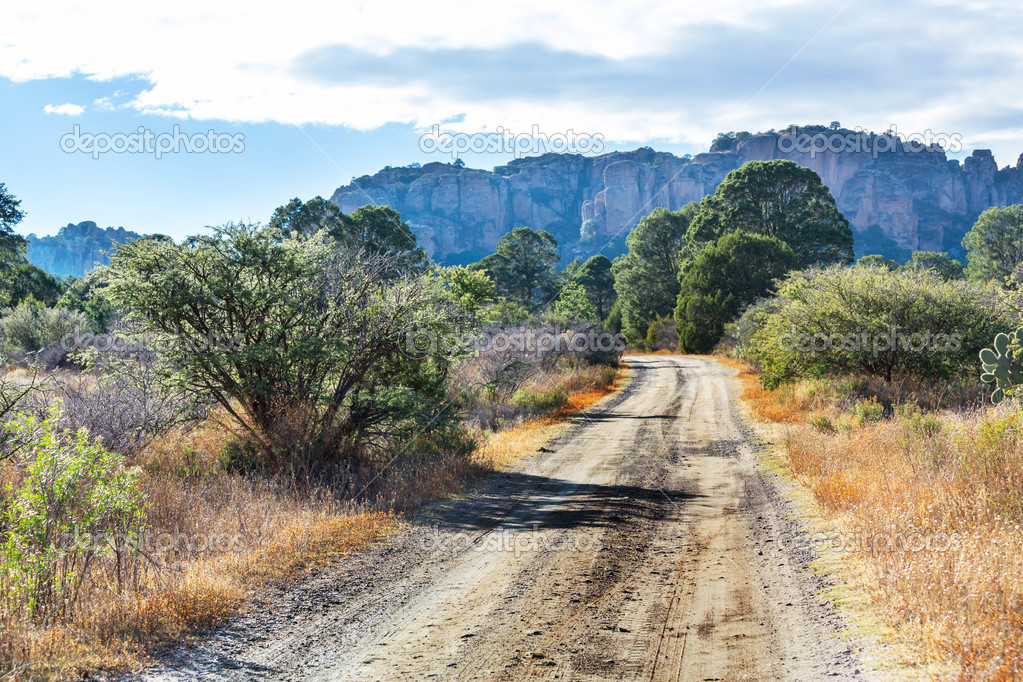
x=644, y=545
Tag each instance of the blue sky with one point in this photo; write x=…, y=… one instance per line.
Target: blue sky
x=322, y=94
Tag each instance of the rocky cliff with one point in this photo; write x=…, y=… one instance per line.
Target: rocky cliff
x=76, y=249
x=898, y=197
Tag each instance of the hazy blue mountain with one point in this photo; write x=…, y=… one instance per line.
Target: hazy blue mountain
x=76, y=249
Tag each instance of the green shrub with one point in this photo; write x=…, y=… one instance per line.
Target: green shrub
x=662, y=334
x=823, y=424
x=542, y=402
x=241, y=455
x=32, y=327
x=867, y=411
x=318, y=347
x=75, y=507
x=923, y=424
x=454, y=442
x=870, y=321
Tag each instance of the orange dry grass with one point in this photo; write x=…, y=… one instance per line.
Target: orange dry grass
x=664, y=351
x=766, y=405
x=215, y=539
x=305, y=543
x=931, y=520
x=505, y=448
x=220, y=537
x=789, y=404
x=581, y=401
x=114, y=632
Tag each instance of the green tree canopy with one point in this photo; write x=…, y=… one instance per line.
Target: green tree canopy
x=779, y=199
x=574, y=304
x=373, y=229
x=877, y=260
x=23, y=280
x=308, y=217
x=940, y=262
x=523, y=265
x=995, y=244
x=89, y=295
x=471, y=289
x=595, y=276
x=19, y=279
x=380, y=230
x=728, y=275
x=646, y=278
x=305, y=345
x=12, y=245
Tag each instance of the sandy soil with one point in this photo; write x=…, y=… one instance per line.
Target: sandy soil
x=642, y=545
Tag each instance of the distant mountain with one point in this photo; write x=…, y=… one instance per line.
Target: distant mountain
x=899, y=198
x=76, y=249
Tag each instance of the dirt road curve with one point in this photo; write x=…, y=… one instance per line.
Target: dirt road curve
x=643, y=546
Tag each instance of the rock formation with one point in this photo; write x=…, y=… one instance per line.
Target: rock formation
x=898, y=197
x=76, y=249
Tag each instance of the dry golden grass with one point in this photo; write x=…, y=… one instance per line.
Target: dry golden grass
x=788, y=404
x=217, y=537
x=505, y=448
x=635, y=351
x=932, y=507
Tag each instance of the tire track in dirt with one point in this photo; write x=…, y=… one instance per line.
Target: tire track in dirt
x=639, y=548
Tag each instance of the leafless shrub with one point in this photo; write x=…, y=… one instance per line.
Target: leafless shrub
x=662, y=335
x=125, y=400
x=17, y=387
x=506, y=361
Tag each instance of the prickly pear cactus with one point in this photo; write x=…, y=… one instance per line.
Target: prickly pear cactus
x=1003, y=364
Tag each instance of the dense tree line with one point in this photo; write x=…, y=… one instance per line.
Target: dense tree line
x=686, y=278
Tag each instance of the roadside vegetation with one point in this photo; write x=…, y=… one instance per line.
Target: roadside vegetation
x=204, y=419
x=892, y=391
x=923, y=506
x=201, y=419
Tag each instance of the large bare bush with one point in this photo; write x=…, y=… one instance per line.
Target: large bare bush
x=125, y=400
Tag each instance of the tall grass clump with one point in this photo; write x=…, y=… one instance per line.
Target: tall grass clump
x=931, y=507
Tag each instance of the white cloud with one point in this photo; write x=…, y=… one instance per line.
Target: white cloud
x=236, y=62
x=64, y=109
